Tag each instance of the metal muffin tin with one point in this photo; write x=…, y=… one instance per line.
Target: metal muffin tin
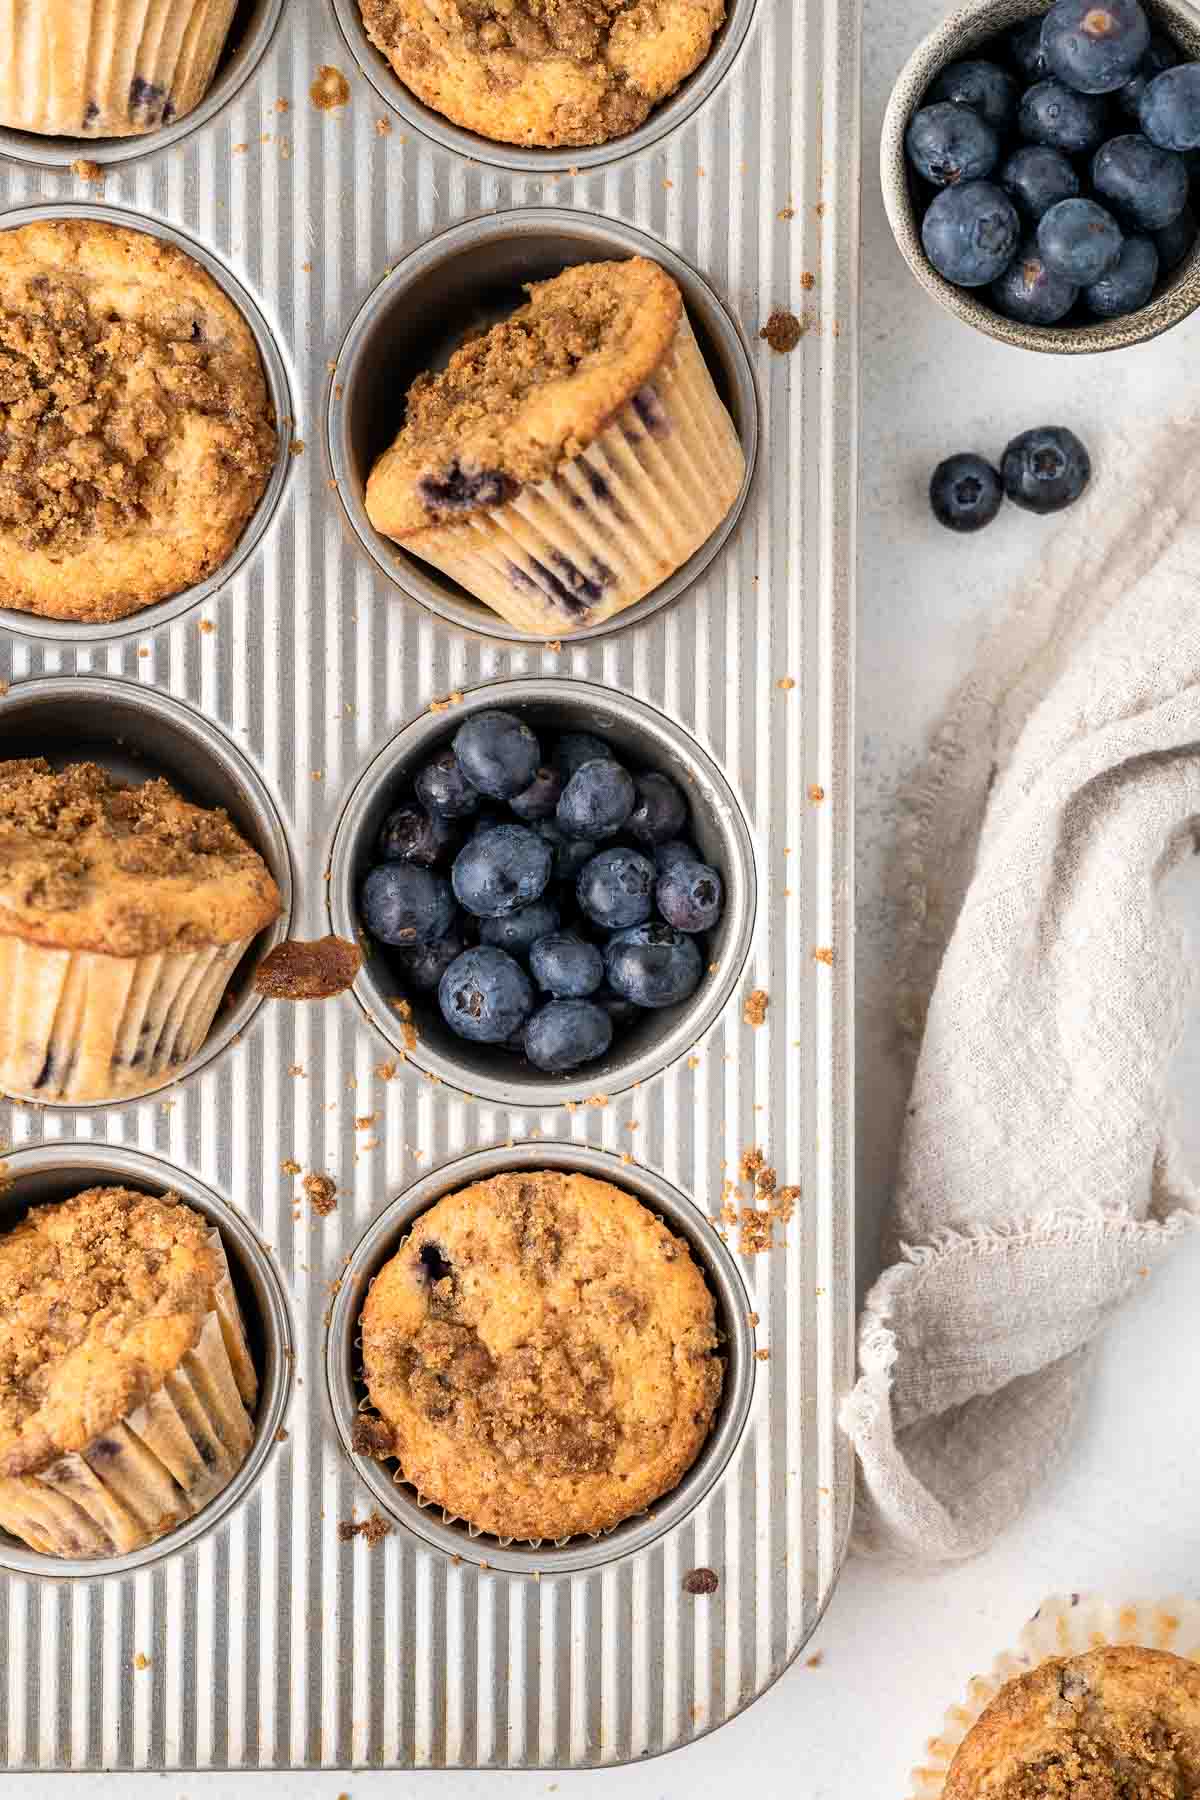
x=301, y=673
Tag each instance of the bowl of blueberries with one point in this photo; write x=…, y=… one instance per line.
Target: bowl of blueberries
x=1040, y=168
x=553, y=885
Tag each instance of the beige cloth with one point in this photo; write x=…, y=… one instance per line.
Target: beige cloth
x=1038, y=1179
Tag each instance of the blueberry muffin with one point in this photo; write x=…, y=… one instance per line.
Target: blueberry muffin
x=1119, y=1723
x=567, y=461
x=124, y=912
x=543, y=71
x=136, y=435
x=541, y=1356
x=107, y=68
x=126, y=1385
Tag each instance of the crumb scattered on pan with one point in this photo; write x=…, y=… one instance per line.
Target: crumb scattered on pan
x=299, y=970
x=596, y=1100
x=554, y=644
x=281, y=1435
x=693, y=1062
x=140, y=1661
x=755, y=1009
x=786, y=212
x=446, y=702
x=290, y=1166
x=782, y=331
x=701, y=1581
x=330, y=89
x=815, y=1660
x=87, y=171
x=296, y=447
x=384, y=127
x=370, y=1436
x=297, y=1069
x=808, y=281
x=752, y=1319
x=408, y=1030
x=816, y=793
x=762, y=1355
x=365, y=1120
x=372, y=1530
x=322, y=1193
x=823, y=954
x=206, y=625
x=769, y=1204
x=787, y=683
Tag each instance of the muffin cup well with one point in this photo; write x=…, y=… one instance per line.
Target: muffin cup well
x=688, y=97
x=194, y=1419
x=349, y=1398
x=470, y=276
x=1064, y=1625
x=74, y=631
x=152, y=1013
x=176, y=44
x=960, y=35
x=648, y=740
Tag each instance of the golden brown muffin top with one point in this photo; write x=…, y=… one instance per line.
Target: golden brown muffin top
x=1119, y=1723
x=100, y=1297
x=135, y=431
x=88, y=863
x=532, y=392
x=541, y=1352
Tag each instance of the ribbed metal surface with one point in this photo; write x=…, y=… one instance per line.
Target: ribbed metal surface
x=269, y=1642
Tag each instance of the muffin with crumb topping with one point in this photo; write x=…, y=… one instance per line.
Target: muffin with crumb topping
x=569, y=460
x=541, y=1356
x=124, y=912
x=127, y=1388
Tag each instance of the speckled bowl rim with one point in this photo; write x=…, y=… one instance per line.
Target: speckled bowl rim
x=957, y=36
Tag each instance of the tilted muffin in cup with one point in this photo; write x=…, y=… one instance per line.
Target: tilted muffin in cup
x=542, y=1356
x=107, y=68
x=126, y=1384
x=124, y=912
x=569, y=460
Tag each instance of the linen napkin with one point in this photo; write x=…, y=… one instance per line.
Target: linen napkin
x=1038, y=1181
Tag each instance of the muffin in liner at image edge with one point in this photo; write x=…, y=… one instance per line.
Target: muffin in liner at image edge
x=107, y=68
x=544, y=72
x=541, y=1356
x=124, y=912
x=126, y=1384
x=138, y=429
x=570, y=459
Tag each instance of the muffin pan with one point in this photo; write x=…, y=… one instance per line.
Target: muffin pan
x=320, y=660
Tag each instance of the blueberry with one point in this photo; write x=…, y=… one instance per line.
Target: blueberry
x=659, y=812
x=1145, y=185
x=616, y=888
x=652, y=965
x=423, y=967
x=403, y=904
x=1025, y=48
x=462, y=490
x=1161, y=55
x=596, y=801
x=569, y=854
x=484, y=995
x=411, y=834
x=1046, y=469
x=622, y=1012
x=566, y=966
x=1176, y=240
x=1031, y=292
x=444, y=790
x=1095, y=46
x=970, y=233
x=565, y=1033
x=690, y=896
x=1169, y=112
x=948, y=144
x=487, y=820
x=1055, y=115
x=573, y=749
x=678, y=850
x=1129, y=285
x=965, y=492
x=1079, y=239
x=540, y=798
x=1035, y=178
x=518, y=931
x=497, y=753
x=985, y=87
x=500, y=870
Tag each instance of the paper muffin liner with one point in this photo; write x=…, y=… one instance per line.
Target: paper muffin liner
x=158, y=1465
x=1064, y=1625
x=613, y=523
x=80, y=1025
x=107, y=68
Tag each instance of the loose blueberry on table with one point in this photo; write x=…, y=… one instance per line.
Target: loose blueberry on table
x=1044, y=192
x=547, y=895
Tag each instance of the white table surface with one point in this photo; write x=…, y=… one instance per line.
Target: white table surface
x=1123, y=1515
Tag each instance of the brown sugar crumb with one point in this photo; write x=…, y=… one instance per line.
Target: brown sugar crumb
x=808, y=281
x=755, y=1229
x=693, y=1062
x=786, y=683
x=296, y=1069
x=823, y=954
x=87, y=171
x=755, y=1010
x=290, y=1166
x=386, y=1071
x=782, y=331
x=282, y=105
x=322, y=1194
x=384, y=127
x=762, y=1355
x=206, y=625
x=444, y=705
x=140, y=1661
x=372, y=1530
x=330, y=89
x=296, y=447
x=786, y=212
x=816, y=793
x=751, y=1164
x=815, y=1660
x=752, y=1319
x=371, y=1436
x=296, y=970
x=365, y=1120
x=281, y=1434
x=701, y=1581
